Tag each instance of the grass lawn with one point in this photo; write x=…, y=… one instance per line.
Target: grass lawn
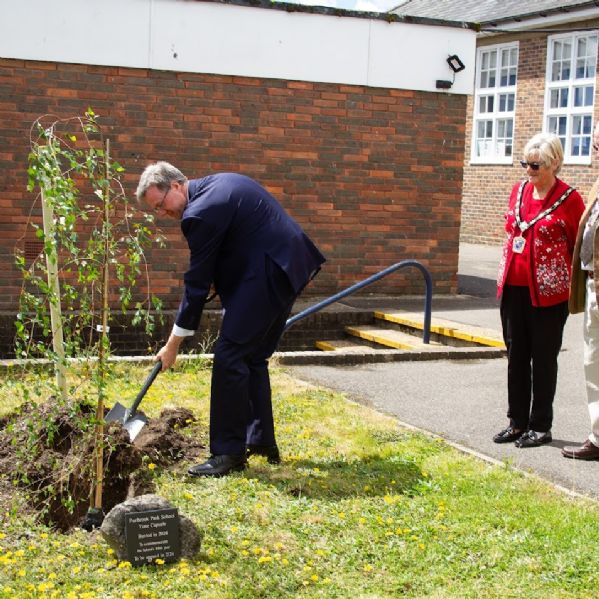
x=359, y=508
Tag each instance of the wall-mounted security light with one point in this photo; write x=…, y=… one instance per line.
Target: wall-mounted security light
x=456, y=65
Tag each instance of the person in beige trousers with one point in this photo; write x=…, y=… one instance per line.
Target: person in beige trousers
x=583, y=298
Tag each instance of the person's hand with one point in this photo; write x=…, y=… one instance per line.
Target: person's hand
x=168, y=354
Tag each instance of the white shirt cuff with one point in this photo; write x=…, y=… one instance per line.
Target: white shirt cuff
x=180, y=332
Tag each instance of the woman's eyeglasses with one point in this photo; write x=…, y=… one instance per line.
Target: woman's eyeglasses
x=535, y=166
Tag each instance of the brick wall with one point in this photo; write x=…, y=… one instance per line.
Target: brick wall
x=487, y=187
x=373, y=175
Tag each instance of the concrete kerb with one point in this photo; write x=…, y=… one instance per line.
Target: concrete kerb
x=339, y=357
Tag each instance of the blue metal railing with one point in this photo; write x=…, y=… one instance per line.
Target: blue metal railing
x=428, y=299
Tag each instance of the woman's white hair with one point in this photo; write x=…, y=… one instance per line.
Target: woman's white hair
x=545, y=148
x=161, y=174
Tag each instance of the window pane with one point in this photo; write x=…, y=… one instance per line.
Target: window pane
x=561, y=58
x=506, y=102
x=583, y=96
x=482, y=129
x=504, y=137
x=581, y=135
x=558, y=98
x=586, y=55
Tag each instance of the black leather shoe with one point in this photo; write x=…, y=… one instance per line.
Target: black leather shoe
x=270, y=452
x=507, y=435
x=533, y=439
x=219, y=465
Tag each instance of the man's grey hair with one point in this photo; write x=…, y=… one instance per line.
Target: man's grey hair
x=161, y=174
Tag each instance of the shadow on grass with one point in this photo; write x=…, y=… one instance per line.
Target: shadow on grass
x=373, y=476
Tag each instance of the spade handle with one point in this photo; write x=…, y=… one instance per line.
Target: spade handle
x=157, y=368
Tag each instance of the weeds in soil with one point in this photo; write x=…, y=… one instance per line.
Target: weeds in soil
x=359, y=507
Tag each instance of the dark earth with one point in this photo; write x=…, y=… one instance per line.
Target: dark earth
x=47, y=458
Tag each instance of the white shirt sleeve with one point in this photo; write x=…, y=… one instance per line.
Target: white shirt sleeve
x=180, y=332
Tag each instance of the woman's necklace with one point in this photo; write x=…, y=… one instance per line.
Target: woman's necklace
x=518, y=243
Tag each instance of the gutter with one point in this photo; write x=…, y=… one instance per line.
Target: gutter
x=543, y=19
x=339, y=12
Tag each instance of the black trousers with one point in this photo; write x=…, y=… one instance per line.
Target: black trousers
x=240, y=396
x=533, y=337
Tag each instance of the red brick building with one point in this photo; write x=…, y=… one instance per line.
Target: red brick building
x=536, y=70
x=322, y=107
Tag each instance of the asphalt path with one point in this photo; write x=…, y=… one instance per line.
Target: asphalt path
x=465, y=401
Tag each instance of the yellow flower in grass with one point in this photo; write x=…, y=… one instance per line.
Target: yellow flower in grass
x=151, y=466
x=314, y=578
x=367, y=568
x=159, y=562
x=21, y=573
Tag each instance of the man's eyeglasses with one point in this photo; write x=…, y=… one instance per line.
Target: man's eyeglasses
x=535, y=166
x=158, y=206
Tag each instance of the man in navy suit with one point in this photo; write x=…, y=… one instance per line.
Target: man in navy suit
x=259, y=260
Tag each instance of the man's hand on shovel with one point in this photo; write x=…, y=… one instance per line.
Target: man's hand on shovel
x=168, y=354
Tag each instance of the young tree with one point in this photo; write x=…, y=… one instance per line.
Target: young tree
x=94, y=243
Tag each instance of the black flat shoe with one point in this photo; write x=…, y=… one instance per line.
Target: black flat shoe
x=507, y=435
x=533, y=439
x=219, y=465
x=270, y=452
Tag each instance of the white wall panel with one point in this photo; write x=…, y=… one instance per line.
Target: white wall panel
x=204, y=37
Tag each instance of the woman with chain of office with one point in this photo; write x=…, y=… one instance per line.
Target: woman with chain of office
x=533, y=283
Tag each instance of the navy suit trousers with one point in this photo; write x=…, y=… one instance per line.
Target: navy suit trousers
x=240, y=401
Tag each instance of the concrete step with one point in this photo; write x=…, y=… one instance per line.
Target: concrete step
x=388, y=337
x=344, y=345
x=447, y=329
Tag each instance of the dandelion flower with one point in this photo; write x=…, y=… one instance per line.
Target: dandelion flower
x=151, y=466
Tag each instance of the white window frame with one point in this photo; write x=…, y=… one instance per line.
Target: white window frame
x=570, y=114
x=494, y=118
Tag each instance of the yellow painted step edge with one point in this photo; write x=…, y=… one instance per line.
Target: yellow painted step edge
x=325, y=346
x=446, y=331
x=376, y=339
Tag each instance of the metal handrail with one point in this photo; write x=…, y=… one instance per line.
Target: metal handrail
x=428, y=299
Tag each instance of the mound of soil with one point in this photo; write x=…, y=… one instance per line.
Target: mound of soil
x=47, y=451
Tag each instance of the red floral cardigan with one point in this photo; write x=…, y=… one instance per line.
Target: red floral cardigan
x=551, y=242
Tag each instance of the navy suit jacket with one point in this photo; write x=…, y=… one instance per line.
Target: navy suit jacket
x=235, y=230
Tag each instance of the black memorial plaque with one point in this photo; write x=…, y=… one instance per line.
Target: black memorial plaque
x=152, y=535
